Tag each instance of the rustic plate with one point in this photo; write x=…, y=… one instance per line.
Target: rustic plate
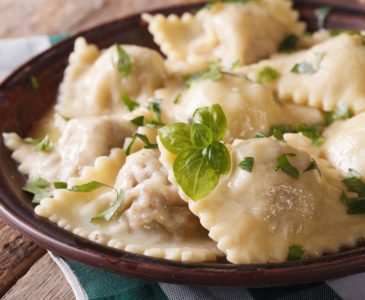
x=20, y=105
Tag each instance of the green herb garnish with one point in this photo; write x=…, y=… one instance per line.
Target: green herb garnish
x=337, y=31
x=259, y=135
x=341, y=113
x=124, y=62
x=34, y=82
x=201, y=157
x=131, y=105
x=278, y=131
x=212, y=72
x=312, y=166
x=60, y=185
x=356, y=205
x=107, y=214
x=177, y=98
x=313, y=132
x=144, y=139
x=283, y=164
x=289, y=44
x=303, y=68
x=138, y=121
x=247, y=164
x=40, y=188
x=93, y=186
x=295, y=252
x=42, y=144
x=155, y=107
x=267, y=74
x=322, y=14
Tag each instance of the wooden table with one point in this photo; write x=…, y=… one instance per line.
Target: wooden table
x=26, y=271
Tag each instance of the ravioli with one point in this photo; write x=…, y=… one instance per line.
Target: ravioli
x=93, y=86
x=344, y=147
x=228, y=32
x=249, y=107
x=152, y=219
x=333, y=74
x=255, y=217
x=82, y=141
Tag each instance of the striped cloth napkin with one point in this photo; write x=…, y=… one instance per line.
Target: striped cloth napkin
x=91, y=283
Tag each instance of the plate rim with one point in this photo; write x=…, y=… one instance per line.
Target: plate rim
x=122, y=262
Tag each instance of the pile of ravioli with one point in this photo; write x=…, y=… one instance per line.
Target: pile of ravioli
x=253, y=216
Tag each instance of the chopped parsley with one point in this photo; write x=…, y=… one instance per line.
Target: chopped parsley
x=322, y=14
x=341, y=113
x=295, y=252
x=337, y=31
x=41, y=145
x=247, y=164
x=138, y=121
x=283, y=164
x=34, y=82
x=124, y=62
x=40, y=188
x=212, y=72
x=267, y=74
x=155, y=107
x=356, y=205
x=107, y=214
x=312, y=166
x=177, y=98
x=259, y=135
x=313, y=132
x=144, y=139
x=289, y=44
x=307, y=68
x=128, y=102
x=278, y=131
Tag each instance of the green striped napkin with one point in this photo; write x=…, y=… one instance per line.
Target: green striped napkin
x=91, y=283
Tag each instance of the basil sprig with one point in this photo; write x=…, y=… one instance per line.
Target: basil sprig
x=356, y=205
x=201, y=157
x=295, y=252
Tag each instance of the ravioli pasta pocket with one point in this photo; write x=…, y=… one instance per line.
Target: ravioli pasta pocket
x=244, y=143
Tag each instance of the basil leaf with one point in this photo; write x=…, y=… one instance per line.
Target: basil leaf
x=34, y=82
x=138, y=121
x=212, y=72
x=284, y=165
x=295, y=252
x=356, y=185
x=88, y=187
x=356, y=207
x=194, y=175
x=278, y=131
x=124, y=62
x=288, y=45
x=131, y=105
x=268, y=74
x=342, y=112
x=176, y=137
x=201, y=135
x=110, y=212
x=218, y=157
x=40, y=188
x=303, y=68
x=144, y=139
x=322, y=14
x=247, y=164
x=214, y=118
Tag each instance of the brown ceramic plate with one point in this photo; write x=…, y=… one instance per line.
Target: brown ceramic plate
x=20, y=106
